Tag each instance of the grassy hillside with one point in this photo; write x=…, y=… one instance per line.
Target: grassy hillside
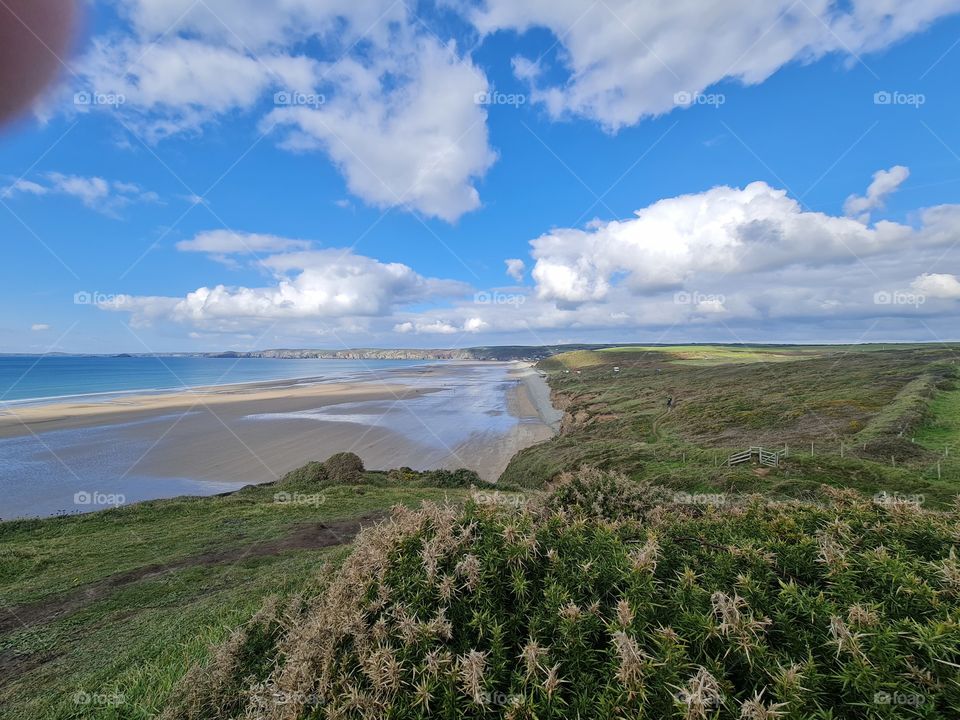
x=876, y=419
x=103, y=613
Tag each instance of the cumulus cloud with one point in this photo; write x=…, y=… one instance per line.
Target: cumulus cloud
x=734, y=262
x=516, y=268
x=97, y=193
x=628, y=60
x=723, y=230
x=395, y=112
x=726, y=264
x=938, y=285
x=884, y=183
x=319, y=285
x=403, y=128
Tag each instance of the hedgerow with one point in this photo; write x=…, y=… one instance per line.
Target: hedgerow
x=573, y=608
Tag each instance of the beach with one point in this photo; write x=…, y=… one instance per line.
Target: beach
x=215, y=439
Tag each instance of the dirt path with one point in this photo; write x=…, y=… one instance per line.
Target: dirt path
x=310, y=536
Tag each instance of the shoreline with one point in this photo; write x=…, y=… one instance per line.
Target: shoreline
x=476, y=415
x=44, y=417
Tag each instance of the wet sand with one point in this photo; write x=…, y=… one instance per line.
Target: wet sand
x=474, y=415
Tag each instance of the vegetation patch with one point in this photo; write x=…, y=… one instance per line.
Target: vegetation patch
x=660, y=608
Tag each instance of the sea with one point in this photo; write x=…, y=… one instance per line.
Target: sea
x=54, y=378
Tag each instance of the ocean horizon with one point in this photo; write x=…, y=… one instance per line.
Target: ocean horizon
x=28, y=379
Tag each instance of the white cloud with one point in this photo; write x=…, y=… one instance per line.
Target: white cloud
x=258, y=24
x=404, y=128
x=25, y=186
x=475, y=324
x=723, y=230
x=435, y=327
x=884, y=183
x=938, y=285
x=319, y=285
x=735, y=262
x=516, y=268
x=229, y=242
x=627, y=60
x=91, y=191
x=39, y=327
x=726, y=264
x=423, y=325
x=395, y=112
x=107, y=196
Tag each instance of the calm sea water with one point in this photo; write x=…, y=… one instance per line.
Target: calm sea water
x=25, y=378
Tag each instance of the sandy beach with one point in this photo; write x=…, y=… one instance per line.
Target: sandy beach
x=280, y=395
x=206, y=440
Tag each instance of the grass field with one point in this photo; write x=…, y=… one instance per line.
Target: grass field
x=869, y=418
x=103, y=613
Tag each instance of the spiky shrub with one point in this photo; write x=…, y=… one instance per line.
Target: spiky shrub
x=344, y=468
x=592, y=493
x=762, y=610
x=313, y=473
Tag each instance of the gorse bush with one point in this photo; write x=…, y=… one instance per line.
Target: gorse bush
x=571, y=608
x=600, y=495
x=313, y=473
x=344, y=468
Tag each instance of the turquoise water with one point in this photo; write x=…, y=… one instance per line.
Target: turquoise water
x=38, y=378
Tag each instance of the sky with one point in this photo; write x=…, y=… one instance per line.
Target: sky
x=246, y=174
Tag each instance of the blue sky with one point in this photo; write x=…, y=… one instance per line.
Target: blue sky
x=237, y=175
